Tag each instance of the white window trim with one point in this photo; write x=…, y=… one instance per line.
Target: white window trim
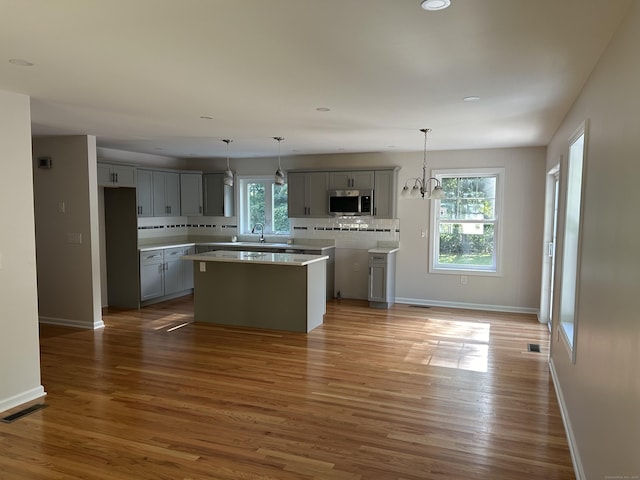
x=243, y=213
x=499, y=172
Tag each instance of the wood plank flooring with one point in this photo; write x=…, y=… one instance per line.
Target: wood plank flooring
x=408, y=393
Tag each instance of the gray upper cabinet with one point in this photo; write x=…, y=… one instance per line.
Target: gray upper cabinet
x=191, y=194
x=358, y=180
x=144, y=193
x=307, y=194
x=385, y=194
x=166, y=194
x=218, y=197
x=112, y=175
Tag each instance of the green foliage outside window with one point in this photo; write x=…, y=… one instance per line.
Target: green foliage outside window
x=467, y=233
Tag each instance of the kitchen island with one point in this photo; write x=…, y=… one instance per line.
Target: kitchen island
x=279, y=291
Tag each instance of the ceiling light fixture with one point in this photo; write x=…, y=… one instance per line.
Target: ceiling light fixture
x=420, y=185
x=228, y=174
x=279, y=173
x=435, y=5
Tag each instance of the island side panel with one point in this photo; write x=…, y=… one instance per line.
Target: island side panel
x=251, y=295
x=316, y=294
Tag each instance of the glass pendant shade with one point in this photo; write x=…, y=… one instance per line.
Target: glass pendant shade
x=279, y=177
x=437, y=193
x=228, y=174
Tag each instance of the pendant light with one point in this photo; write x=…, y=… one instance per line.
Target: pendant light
x=420, y=185
x=279, y=179
x=228, y=174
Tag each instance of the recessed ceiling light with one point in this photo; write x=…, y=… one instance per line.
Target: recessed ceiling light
x=206, y=117
x=21, y=62
x=323, y=109
x=433, y=5
x=471, y=98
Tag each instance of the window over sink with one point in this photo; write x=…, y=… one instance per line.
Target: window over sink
x=262, y=201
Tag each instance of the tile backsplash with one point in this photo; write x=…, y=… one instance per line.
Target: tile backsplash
x=344, y=232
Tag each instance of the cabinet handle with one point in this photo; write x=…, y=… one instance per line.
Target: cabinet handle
x=116, y=174
x=200, y=209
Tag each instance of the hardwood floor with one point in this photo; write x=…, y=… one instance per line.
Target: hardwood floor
x=408, y=393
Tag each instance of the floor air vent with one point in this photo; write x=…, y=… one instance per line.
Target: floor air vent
x=533, y=347
x=23, y=413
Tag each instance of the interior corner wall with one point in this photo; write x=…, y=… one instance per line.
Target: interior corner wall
x=67, y=231
x=600, y=392
x=19, y=342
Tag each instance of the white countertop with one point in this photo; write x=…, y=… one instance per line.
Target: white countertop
x=383, y=250
x=244, y=245
x=291, y=259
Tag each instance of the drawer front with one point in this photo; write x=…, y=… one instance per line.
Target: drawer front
x=151, y=257
x=174, y=253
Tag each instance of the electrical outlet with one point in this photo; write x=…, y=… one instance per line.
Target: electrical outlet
x=356, y=267
x=62, y=208
x=423, y=233
x=203, y=266
x=463, y=279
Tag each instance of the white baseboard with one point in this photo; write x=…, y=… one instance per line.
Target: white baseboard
x=65, y=322
x=573, y=446
x=469, y=306
x=21, y=398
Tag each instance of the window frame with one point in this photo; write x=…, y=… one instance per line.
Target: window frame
x=494, y=270
x=243, y=205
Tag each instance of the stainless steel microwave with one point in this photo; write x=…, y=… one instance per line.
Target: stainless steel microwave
x=350, y=202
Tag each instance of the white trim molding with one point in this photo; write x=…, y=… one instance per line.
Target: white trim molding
x=468, y=306
x=65, y=322
x=573, y=446
x=22, y=398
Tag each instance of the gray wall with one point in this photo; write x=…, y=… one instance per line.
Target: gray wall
x=601, y=391
x=66, y=204
x=19, y=345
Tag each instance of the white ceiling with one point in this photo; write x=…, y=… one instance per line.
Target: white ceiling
x=139, y=74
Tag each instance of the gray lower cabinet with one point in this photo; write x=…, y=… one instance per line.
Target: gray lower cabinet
x=151, y=274
x=382, y=272
x=163, y=273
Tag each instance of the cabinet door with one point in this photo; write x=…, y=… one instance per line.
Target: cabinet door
x=384, y=194
x=172, y=193
x=123, y=176
x=173, y=274
x=296, y=192
x=213, y=184
x=151, y=274
x=191, y=194
x=354, y=180
x=159, y=201
x=362, y=180
x=144, y=193
x=377, y=282
x=317, y=197
x=104, y=175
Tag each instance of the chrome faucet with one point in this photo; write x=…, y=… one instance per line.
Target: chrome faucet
x=253, y=230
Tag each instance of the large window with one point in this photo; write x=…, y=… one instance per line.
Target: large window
x=262, y=201
x=465, y=224
x=571, y=241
